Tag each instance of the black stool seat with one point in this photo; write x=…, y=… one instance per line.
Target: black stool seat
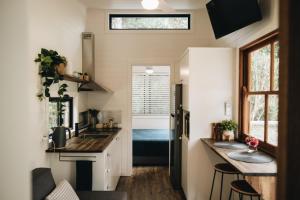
x=243, y=187
x=223, y=168
x=226, y=168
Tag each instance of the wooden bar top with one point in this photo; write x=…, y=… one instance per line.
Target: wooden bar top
x=247, y=169
x=87, y=145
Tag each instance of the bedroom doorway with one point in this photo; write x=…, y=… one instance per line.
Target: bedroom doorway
x=150, y=115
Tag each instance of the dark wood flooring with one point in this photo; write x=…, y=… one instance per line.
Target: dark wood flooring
x=149, y=183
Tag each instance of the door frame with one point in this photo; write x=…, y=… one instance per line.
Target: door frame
x=141, y=62
x=289, y=98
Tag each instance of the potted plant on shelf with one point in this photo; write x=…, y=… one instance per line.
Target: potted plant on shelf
x=50, y=63
x=252, y=143
x=80, y=76
x=51, y=69
x=228, y=127
x=86, y=77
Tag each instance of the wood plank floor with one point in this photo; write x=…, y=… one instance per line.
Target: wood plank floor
x=149, y=183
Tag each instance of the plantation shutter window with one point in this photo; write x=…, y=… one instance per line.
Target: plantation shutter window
x=151, y=92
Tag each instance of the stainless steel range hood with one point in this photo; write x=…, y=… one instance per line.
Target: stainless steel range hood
x=88, y=64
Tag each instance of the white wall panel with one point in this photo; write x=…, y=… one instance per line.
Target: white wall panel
x=150, y=122
x=27, y=26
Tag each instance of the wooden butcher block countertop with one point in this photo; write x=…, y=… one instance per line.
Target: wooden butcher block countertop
x=247, y=169
x=86, y=143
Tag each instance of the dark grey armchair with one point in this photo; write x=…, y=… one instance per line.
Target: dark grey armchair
x=43, y=184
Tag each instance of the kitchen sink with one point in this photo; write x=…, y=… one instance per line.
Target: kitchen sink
x=107, y=130
x=95, y=136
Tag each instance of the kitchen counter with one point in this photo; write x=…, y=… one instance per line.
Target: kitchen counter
x=262, y=177
x=247, y=169
x=90, y=141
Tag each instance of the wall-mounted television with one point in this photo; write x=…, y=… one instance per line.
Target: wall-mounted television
x=227, y=16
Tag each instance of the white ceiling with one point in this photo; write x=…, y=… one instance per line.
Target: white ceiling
x=136, y=4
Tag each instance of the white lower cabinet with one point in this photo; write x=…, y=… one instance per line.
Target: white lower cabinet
x=113, y=163
x=106, y=166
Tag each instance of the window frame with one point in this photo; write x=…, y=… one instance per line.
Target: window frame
x=66, y=99
x=244, y=83
x=111, y=16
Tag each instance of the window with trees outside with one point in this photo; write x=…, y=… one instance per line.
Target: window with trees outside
x=259, y=83
x=149, y=21
x=53, y=120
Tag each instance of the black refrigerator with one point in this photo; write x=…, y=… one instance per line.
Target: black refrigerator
x=176, y=136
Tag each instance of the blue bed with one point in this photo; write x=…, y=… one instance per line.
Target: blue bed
x=150, y=147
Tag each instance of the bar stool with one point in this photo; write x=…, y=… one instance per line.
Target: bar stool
x=242, y=187
x=223, y=168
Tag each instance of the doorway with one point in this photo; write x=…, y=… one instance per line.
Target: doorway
x=150, y=115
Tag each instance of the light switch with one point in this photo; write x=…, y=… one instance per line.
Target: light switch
x=228, y=108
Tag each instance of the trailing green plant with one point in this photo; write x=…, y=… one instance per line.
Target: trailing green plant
x=228, y=125
x=49, y=60
x=61, y=106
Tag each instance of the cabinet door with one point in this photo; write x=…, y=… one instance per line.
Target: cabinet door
x=184, y=70
x=184, y=164
x=119, y=156
x=116, y=161
x=109, y=167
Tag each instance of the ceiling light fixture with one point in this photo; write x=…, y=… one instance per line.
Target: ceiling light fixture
x=149, y=70
x=150, y=4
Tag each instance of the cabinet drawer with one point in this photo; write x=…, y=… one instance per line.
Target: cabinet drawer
x=77, y=156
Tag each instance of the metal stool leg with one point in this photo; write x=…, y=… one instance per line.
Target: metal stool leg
x=241, y=196
x=230, y=194
x=212, y=186
x=238, y=177
x=251, y=197
x=258, y=197
x=221, y=190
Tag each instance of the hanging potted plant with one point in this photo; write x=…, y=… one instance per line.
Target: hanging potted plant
x=50, y=70
x=61, y=67
x=228, y=127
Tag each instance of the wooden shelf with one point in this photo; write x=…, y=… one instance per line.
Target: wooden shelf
x=74, y=79
x=86, y=86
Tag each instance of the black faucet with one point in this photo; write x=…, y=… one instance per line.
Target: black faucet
x=76, y=130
